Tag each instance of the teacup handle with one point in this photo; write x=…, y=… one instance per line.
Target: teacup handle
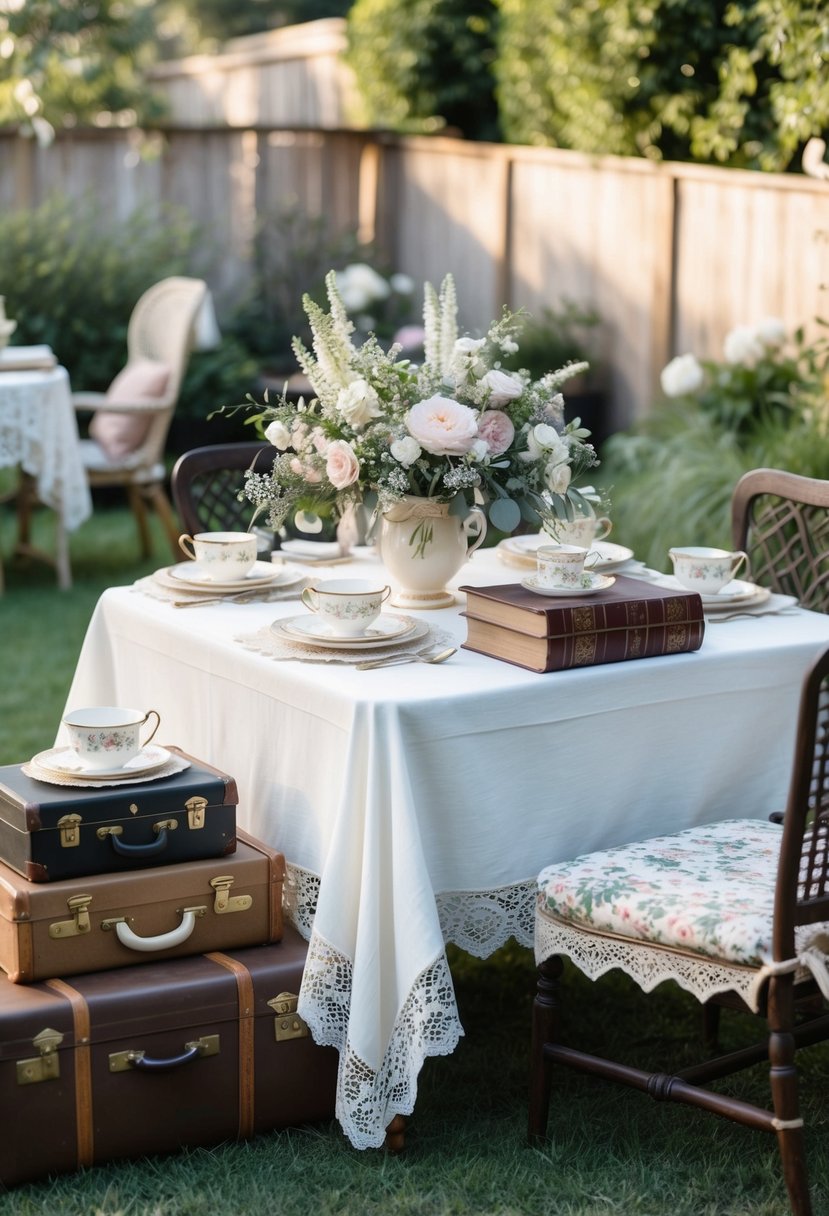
x=474, y=525
x=183, y=541
x=742, y=560
x=596, y=557
x=151, y=713
x=604, y=527
x=308, y=601
x=385, y=595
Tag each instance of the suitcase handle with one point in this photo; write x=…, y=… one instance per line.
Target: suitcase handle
x=123, y=1061
x=143, y=850
x=161, y=941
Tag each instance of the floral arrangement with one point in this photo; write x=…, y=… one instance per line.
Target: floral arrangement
x=456, y=428
x=764, y=372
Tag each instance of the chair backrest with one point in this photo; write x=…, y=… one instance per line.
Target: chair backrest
x=781, y=520
x=802, y=894
x=161, y=328
x=206, y=483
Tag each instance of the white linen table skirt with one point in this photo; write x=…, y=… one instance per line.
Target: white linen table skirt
x=417, y=804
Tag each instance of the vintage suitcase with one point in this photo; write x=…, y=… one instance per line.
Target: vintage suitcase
x=152, y=1059
x=115, y=920
x=48, y=832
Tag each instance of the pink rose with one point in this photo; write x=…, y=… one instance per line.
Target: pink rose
x=319, y=440
x=442, y=426
x=341, y=465
x=306, y=471
x=496, y=428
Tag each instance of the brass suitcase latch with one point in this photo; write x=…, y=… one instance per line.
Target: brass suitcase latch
x=287, y=1023
x=46, y=1065
x=195, y=808
x=78, y=905
x=224, y=901
x=69, y=827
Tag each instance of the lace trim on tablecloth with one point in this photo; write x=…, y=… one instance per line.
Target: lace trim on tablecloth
x=594, y=954
x=299, y=898
x=480, y=922
x=427, y=1025
x=265, y=641
x=45, y=442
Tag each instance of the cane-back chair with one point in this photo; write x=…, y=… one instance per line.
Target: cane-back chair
x=736, y=912
x=160, y=337
x=207, y=482
x=781, y=520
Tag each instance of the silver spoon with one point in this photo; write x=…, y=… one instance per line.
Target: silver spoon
x=440, y=657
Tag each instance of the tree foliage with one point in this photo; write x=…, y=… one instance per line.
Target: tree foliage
x=423, y=65
x=743, y=82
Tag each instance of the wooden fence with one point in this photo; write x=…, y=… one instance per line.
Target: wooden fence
x=670, y=256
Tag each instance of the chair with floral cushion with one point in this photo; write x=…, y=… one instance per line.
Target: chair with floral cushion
x=735, y=912
x=129, y=426
x=781, y=520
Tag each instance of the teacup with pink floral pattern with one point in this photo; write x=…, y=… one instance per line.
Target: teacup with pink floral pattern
x=347, y=606
x=706, y=570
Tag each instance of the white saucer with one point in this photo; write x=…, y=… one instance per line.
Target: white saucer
x=262, y=574
x=65, y=762
x=286, y=630
x=386, y=628
x=524, y=548
x=591, y=583
x=733, y=593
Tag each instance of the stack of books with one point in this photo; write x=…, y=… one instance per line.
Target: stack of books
x=630, y=620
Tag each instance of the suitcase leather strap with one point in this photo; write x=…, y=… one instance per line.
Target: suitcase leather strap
x=244, y=989
x=83, y=1070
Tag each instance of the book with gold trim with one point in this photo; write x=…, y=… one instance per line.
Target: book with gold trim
x=630, y=620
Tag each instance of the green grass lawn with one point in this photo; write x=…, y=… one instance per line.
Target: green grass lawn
x=611, y=1151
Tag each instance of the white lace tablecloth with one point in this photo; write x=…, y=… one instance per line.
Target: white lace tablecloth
x=39, y=431
x=417, y=804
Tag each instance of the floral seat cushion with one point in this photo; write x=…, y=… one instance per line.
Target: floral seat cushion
x=709, y=890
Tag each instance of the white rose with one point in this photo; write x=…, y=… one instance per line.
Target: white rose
x=443, y=426
x=557, y=477
x=503, y=387
x=406, y=450
x=682, y=375
x=358, y=403
x=278, y=434
x=771, y=331
x=479, y=450
x=743, y=345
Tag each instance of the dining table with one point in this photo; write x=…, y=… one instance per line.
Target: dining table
x=39, y=435
x=416, y=804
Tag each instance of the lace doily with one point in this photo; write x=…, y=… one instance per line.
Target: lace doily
x=648, y=966
x=264, y=641
x=176, y=764
x=427, y=1025
x=159, y=586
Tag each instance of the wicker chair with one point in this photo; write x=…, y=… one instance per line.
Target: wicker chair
x=161, y=332
x=753, y=945
x=206, y=482
x=781, y=520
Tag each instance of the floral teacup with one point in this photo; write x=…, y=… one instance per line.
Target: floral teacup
x=706, y=570
x=561, y=566
x=106, y=737
x=581, y=531
x=347, y=606
x=221, y=556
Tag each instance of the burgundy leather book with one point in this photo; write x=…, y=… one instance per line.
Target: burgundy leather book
x=630, y=620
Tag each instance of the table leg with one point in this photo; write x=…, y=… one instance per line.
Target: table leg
x=26, y=501
x=396, y=1135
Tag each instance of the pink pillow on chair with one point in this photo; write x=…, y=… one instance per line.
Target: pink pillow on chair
x=145, y=380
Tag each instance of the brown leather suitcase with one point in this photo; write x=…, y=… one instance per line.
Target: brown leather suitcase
x=152, y=1059
x=48, y=832
x=114, y=920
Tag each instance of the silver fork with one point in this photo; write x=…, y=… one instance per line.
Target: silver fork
x=418, y=656
x=719, y=619
x=236, y=597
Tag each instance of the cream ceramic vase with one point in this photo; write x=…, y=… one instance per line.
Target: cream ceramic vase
x=422, y=547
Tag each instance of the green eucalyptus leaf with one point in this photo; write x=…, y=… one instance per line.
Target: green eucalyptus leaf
x=504, y=514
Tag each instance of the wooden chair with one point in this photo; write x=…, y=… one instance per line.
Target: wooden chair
x=781, y=520
x=759, y=943
x=206, y=483
x=161, y=334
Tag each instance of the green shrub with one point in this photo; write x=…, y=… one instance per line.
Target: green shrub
x=742, y=83
x=423, y=65
x=672, y=476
